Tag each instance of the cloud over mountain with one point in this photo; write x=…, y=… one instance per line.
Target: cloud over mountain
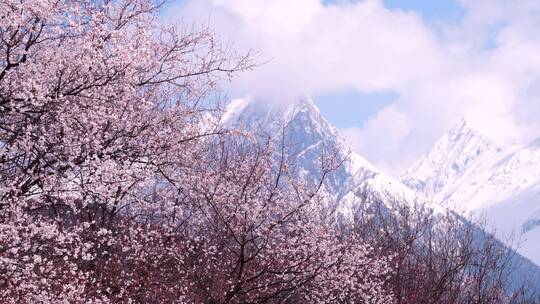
x=484, y=67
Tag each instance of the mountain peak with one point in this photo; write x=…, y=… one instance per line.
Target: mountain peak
x=452, y=156
x=305, y=103
x=469, y=173
x=301, y=105
x=285, y=111
x=460, y=127
x=462, y=123
x=460, y=131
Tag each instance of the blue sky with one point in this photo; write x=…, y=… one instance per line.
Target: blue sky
x=431, y=10
x=359, y=106
x=362, y=105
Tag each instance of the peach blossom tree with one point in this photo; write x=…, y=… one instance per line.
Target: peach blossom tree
x=118, y=185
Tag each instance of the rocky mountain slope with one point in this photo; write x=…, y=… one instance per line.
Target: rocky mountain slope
x=309, y=135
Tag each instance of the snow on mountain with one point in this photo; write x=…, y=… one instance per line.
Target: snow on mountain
x=456, y=154
x=470, y=174
x=310, y=135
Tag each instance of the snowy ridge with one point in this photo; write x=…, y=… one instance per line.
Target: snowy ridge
x=452, y=157
x=460, y=157
x=470, y=174
x=309, y=133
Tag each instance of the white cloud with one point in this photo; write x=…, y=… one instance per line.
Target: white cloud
x=385, y=131
x=317, y=49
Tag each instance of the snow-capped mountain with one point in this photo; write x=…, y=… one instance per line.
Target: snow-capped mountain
x=307, y=136
x=357, y=185
x=469, y=173
x=456, y=154
x=310, y=136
